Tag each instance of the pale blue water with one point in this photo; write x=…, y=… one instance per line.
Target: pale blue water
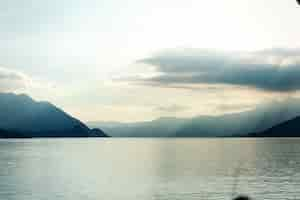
x=149, y=169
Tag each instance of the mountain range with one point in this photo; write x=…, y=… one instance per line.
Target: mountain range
x=258, y=121
x=23, y=117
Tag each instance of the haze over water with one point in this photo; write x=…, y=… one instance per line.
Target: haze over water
x=146, y=169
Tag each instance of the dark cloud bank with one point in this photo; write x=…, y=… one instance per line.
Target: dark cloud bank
x=271, y=70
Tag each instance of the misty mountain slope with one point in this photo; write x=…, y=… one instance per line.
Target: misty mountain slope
x=23, y=115
x=236, y=124
x=162, y=127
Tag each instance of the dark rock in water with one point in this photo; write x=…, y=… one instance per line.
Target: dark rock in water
x=242, y=198
x=21, y=116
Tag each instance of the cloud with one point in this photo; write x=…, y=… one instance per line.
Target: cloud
x=171, y=108
x=233, y=107
x=271, y=70
x=11, y=81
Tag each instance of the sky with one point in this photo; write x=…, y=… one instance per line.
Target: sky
x=137, y=60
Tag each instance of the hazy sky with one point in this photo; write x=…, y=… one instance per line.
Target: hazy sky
x=135, y=60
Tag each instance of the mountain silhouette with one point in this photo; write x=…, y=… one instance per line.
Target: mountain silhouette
x=21, y=116
x=290, y=128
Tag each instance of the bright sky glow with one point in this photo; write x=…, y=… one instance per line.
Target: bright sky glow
x=73, y=50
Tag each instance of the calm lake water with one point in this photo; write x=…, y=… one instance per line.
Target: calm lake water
x=149, y=169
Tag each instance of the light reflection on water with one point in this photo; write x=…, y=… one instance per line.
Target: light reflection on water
x=146, y=169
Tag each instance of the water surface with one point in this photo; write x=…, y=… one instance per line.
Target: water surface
x=149, y=169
